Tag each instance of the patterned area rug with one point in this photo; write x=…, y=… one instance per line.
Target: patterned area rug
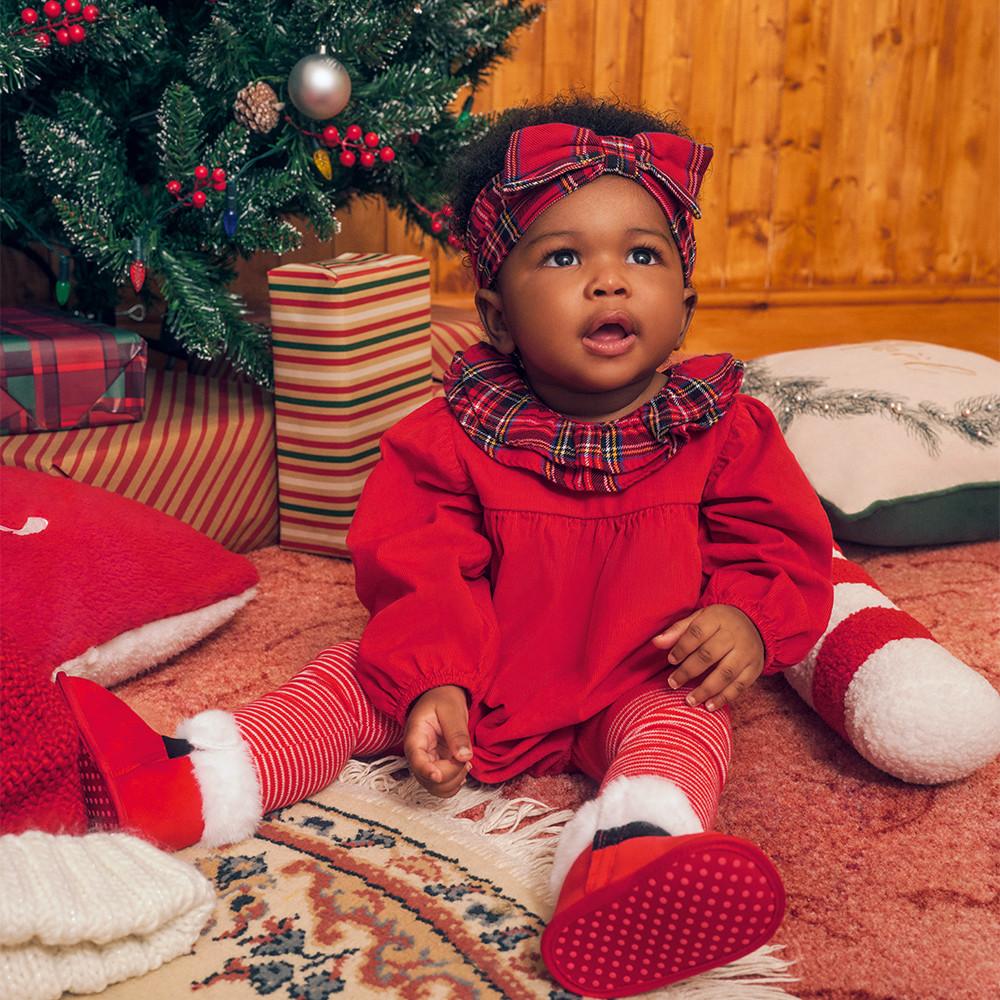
x=892, y=888
x=373, y=888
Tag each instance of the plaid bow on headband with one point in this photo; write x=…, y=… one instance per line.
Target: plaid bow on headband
x=547, y=162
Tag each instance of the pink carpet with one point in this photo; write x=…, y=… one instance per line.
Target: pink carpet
x=893, y=888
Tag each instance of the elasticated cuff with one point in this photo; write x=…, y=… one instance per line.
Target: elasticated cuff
x=410, y=694
x=753, y=611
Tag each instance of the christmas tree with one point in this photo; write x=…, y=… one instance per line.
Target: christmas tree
x=157, y=143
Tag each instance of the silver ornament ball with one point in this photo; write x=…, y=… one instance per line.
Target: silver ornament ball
x=319, y=86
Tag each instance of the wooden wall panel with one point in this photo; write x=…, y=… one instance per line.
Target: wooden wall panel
x=856, y=144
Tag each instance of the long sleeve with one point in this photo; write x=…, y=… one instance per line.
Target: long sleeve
x=420, y=559
x=766, y=541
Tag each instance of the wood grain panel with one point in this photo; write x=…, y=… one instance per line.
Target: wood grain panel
x=856, y=144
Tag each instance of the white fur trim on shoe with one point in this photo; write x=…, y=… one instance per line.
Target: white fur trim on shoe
x=230, y=792
x=625, y=800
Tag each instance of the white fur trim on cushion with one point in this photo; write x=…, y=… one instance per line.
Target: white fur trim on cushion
x=230, y=793
x=80, y=913
x=140, y=649
x=625, y=800
x=915, y=711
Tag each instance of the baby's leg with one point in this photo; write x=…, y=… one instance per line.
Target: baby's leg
x=301, y=735
x=646, y=896
x=654, y=733
x=212, y=784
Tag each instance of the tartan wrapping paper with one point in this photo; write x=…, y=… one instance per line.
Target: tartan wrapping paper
x=204, y=454
x=351, y=340
x=58, y=373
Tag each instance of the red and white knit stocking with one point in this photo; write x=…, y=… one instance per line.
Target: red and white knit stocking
x=900, y=699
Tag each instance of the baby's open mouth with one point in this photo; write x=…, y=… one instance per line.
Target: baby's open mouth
x=609, y=339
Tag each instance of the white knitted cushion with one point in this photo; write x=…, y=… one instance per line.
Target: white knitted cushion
x=80, y=913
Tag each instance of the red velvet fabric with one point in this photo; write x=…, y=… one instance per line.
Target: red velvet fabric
x=542, y=601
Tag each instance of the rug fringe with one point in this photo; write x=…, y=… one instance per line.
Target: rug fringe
x=533, y=846
x=754, y=977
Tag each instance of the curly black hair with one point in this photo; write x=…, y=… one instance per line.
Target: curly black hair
x=481, y=159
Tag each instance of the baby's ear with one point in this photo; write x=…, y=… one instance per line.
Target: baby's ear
x=489, y=304
x=690, y=304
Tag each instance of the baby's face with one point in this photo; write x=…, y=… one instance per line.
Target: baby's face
x=593, y=299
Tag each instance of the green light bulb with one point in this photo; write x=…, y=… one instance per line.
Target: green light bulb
x=62, y=284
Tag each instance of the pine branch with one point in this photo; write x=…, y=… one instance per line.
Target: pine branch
x=181, y=137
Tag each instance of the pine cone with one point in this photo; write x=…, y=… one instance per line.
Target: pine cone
x=257, y=107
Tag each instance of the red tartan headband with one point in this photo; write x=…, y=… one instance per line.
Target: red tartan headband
x=547, y=162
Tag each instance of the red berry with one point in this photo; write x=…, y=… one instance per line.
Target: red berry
x=218, y=175
x=371, y=138
x=367, y=159
x=447, y=211
x=347, y=158
x=43, y=39
x=62, y=36
x=436, y=226
x=219, y=185
x=198, y=199
x=453, y=240
x=73, y=6
x=414, y=137
x=354, y=132
x=52, y=9
x=76, y=33
x=387, y=154
x=90, y=12
x=331, y=135
x=29, y=15
x=174, y=187
x=201, y=171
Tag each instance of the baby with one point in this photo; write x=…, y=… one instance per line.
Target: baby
x=577, y=559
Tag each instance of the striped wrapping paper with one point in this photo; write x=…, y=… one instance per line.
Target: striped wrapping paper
x=449, y=335
x=204, y=454
x=351, y=340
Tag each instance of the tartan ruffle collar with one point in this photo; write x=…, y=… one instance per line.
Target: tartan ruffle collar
x=490, y=398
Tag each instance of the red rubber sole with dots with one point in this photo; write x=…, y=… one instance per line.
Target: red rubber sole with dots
x=707, y=902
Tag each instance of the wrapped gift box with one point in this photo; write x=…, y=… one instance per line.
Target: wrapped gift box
x=451, y=330
x=60, y=373
x=351, y=339
x=204, y=453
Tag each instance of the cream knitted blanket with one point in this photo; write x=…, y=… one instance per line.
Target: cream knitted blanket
x=80, y=913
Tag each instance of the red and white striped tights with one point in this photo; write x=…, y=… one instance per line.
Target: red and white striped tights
x=301, y=736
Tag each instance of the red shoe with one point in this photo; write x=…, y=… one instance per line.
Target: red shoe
x=129, y=781
x=637, y=913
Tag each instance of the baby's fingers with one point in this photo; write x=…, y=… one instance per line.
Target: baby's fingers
x=724, y=684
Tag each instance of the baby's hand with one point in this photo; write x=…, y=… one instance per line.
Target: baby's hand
x=436, y=740
x=719, y=638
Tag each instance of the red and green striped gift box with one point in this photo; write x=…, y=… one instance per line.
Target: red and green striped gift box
x=351, y=339
x=60, y=373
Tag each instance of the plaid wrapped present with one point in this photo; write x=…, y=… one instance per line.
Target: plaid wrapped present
x=62, y=373
x=351, y=339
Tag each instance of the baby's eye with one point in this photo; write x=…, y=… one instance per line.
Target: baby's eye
x=644, y=255
x=561, y=258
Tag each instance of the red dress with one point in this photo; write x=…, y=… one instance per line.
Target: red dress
x=482, y=568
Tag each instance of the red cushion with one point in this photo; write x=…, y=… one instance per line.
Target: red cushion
x=94, y=565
